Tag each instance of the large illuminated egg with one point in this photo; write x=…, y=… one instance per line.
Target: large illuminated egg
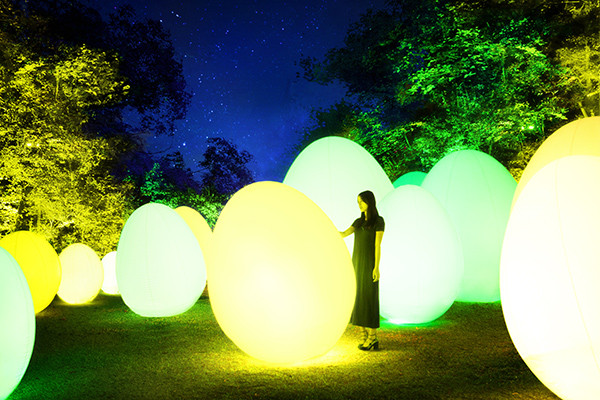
x=332, y=171
x=421, y=258
x=410, y=178
x=199, y=227
x=550, y=276
x=477, y=192
x=160, y=266
x=17, y=322
x=39, y=262
x=580, y=137
x=82, y=274
x=282, y=284
x=109, y=265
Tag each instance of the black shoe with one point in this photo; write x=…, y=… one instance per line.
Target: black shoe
x=374, y=344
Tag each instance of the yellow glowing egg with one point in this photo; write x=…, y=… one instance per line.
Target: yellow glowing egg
x=40, y=265
x=550, y=276
x=82, y=274
x=199, y=228
x=109, y=264
x=580, y=137
x=281, y=280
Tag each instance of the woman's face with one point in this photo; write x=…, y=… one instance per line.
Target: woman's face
x=362, y=205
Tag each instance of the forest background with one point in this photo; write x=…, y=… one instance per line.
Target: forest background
x=80, y=94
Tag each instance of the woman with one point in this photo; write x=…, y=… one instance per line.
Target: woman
x=368, y=232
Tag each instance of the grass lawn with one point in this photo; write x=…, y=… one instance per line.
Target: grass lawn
x=105, y=351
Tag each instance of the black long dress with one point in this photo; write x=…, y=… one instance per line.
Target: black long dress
x=366, y=304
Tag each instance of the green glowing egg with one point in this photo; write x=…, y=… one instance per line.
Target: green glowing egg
x=109, y=284
x=477, y=192
x=421, y=258
x=332, y=171
x=17, y=322
x=550, y=276
x=282, y=284
x=82, y=274
x=160, y=266
x=410, y=178
x=39, y=262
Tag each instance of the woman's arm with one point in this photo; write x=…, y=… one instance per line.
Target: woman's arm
x=378, y=237
x=347, y=232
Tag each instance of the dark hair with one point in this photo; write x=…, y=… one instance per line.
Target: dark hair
x=369, y=220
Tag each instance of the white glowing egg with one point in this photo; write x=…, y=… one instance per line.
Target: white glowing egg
x=421, y=258
x=39, y=262
x=550, y=276
x=82, y=274
x=160, y=269
x=282, y=284
x=477, y=192
x=17, y=322
x=332, y=171
x=109, y=265
x=410, y=178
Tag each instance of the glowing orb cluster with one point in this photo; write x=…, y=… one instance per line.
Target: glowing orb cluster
x=40, y=265
x=17, y=319
x=332, y=171
x=421, y=257
x=109, y=265
x=82, y=274
x=550, y=276
x=281, y=280
x=199, y=227
x=410, y=178
x=477, y=192
x=160, y=269
x=580, y=137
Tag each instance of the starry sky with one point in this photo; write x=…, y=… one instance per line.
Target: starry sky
x=239, y=61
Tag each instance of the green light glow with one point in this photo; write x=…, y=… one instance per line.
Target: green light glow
x=410, y=178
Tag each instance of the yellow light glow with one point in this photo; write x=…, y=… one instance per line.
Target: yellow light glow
x=199, y=228
x=40, y=265
x=82, y=274
x=550, y=276
x=281, y=280
x=109, y=263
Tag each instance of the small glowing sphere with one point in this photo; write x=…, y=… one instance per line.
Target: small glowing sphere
x=17, y=319
x=332, y=171
x=160, y=269
x=199, y=227
x=40, y=265
x=82, y=274
x=421, y=259
x=109, y=264
x=282, y=284
x=410, y=178
x=580, y=137
x=477, y=192
x=550, y=275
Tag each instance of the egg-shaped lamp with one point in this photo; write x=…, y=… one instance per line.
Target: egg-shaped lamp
x=17, y=322
x=410, y=178
x=477, y=192
x=82, y=274
x=282, y=284
x=550, y=276
x=160, y=266
x=39, y=262
x=199, y=227
x=421, y=258
x=109, y=267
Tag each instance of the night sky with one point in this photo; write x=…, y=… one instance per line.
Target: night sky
x=239, y=62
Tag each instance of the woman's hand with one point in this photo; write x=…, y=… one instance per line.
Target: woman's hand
x=375, y=274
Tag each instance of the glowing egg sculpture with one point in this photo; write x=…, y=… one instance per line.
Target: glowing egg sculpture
x=580, y=137
x=282, y=284
x=199, y=227
x=332, y=171
x=109, y=265
x=82, y=274
x=160, y=266
x=421, y=257
x=17, y=319
x=550, y=276
x=477, y=192
x=39, y=262
x=410, y=178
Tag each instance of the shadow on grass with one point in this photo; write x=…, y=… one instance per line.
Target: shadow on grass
x=105, y=351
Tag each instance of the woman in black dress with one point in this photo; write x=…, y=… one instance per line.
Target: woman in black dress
x=368, y=232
